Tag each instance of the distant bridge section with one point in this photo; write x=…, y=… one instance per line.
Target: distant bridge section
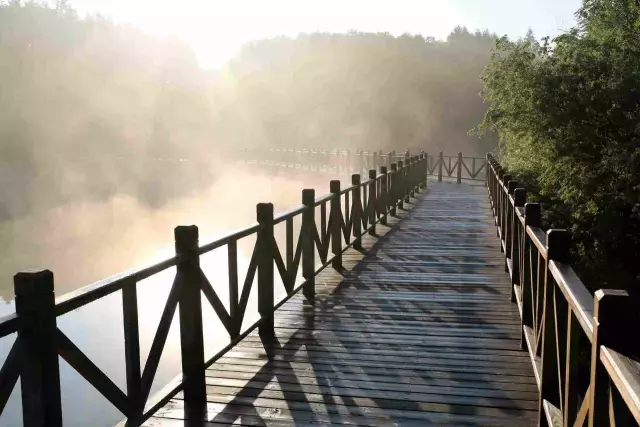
x=348, y=162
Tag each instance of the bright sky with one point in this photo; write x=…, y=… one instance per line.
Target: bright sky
x=216, y=29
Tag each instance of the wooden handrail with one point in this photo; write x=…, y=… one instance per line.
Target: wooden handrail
x=366, y=204
x=346, y=161
x=559, y=315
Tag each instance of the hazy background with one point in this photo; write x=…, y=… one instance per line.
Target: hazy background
x=115, y=116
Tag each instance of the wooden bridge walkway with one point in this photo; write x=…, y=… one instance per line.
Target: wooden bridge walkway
x=415, y=330
x=398, y=311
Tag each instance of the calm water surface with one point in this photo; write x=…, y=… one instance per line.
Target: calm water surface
x=86, y=242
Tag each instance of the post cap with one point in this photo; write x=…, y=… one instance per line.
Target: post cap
x=33, y=282
x=532, y=214
x=308, y=196
x=558, y=244
x=519, y=196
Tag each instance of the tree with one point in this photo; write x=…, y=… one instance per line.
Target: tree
x=567, y=115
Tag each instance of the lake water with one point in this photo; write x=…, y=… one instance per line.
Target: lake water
x=84, y=242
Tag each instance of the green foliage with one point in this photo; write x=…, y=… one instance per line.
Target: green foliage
x=568, y=118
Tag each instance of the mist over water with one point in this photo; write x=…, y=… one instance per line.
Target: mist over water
x=86, y=241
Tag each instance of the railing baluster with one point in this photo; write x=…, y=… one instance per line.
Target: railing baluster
x=531, y=219
x=519, y=198
x=610, y=306
x=356, y=211
x=407, y=183
x=459, y=177
x=373, y=202
x=265, y=268
x=400, y=185
x=132, y=348
x=384, y=191
x=393, y=189
x=289, y=242
x=232, y=261
x=323, y=223
x=557, y=250
x=440, y=166
x=540, y=277
x=424, y=171
x=336, y=224
x=504, y=211
x=572, y=361
x=308, y=252
x=191, y=334
x=40, y=371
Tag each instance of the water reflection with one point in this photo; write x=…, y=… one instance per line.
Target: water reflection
x=97, y=328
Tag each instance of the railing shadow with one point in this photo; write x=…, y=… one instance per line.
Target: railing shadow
x=343, y=367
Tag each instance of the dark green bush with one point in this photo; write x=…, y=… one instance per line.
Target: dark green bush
x=568, y=116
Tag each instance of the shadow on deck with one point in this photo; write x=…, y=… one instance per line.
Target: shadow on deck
x=415, y=330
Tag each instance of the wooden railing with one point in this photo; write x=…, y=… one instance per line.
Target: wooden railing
x=34, y=355
x=347, y=162
x=582, y=346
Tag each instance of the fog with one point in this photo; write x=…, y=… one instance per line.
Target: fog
x=88, y=240
x=110, y=137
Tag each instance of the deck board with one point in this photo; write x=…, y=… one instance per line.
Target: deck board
x=416, y=330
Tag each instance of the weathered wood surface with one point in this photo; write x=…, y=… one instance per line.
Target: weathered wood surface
x=415, y=330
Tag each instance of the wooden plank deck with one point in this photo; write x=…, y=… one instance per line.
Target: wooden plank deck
x=416, y=330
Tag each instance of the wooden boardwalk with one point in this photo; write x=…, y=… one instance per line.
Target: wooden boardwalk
x=416, y=330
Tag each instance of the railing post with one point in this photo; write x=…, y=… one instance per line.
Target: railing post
x=509, y=212
x=558, y=242
x=191, y=335
x=459, y=178
x=384, y=195
x=40, y=371
x=308, y=248
x=416, y=175
x=498, y=195
x=440, y=165
x=519, y=199
x=531, y=219
x=356, y=212
x=336, y=224
x=373, y=202
x=408, y=167
x=393, y=183
x=400, y=184
x=504, y=203
x=265, y=268
x=609, y=310
x=412, y=178
x=423, y=170
x=487, y=164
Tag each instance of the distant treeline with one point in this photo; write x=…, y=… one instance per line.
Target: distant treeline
x=88, y=105
x=359, y=90
x=568, y=117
